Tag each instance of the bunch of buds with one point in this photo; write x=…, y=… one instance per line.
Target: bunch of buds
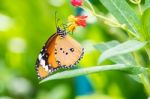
x=75, y=21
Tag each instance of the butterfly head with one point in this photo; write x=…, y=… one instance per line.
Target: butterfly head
x=61, y=32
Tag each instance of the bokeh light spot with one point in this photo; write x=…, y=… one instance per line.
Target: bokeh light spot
x=17, y=45
x=56, y=3
x=20, y=86
x=5, y=22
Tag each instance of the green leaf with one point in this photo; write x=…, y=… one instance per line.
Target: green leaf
x=121, y=10
x=146, y=23
x=93, y=69
x=147, y=4
x=119, y=59
x=136, y=78
x=126, y=47
x=136, y=70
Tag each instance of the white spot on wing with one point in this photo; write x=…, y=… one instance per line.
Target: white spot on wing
x=40, y=56
x=46, y=68
x=49, y=71
x=42, y=62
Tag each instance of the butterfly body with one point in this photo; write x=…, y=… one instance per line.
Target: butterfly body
x=60, y=51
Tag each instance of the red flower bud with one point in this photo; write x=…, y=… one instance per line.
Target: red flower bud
x=76, y=3
x=75, y=21
x=81, y=20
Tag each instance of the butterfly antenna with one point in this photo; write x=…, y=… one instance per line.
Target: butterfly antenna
x=64, y=26
x=56, y=20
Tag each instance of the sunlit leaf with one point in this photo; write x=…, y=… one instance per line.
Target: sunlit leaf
x=147, y=4
x=146, y=23
x=94, y=69
x=123, y=13
x=136, y=78
x=122, y=59
x=119, y=59
x=126, y=47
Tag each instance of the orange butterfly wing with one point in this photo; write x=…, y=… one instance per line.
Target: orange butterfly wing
x=69, y=51
x=46, y=60
x=50, y=45
x=58, y=52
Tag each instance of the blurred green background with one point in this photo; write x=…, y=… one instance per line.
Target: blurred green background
x=25, y=25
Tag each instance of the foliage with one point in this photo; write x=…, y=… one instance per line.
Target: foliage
x=25, y=26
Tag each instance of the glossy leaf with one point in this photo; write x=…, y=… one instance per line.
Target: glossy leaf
x=121, y=10
x=94, y=69
x=147, y=4
x=126, y=47
x=119, y=59
x=122, y=59
x=146, y=24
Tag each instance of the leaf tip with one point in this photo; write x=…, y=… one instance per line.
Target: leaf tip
x=101, y=59
x=41, y=82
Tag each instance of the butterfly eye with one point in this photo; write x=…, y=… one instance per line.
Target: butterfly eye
x=72, y=49
x=59, y=30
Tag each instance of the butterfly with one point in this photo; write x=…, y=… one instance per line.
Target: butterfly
x=60, y=51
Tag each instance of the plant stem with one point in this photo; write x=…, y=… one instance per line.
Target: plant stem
x=148, y=51
x=137, y=2
x=140, y=9
x=145, y=83
x=92, y=11
x=144, y=79
x=116, y=24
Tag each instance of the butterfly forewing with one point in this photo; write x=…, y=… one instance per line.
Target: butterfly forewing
x=68, y=51
x=50, y=46
x=46, y=59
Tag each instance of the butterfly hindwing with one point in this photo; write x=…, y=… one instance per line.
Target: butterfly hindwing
x=68, y=51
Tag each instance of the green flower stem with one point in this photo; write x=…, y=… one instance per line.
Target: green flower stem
x=144, y=79
x=116, y=24
x=93, y=69
x=140, y=9
x=92, y=8
x=92, y=11
x=145, y=83
x=133, y=34
x=147, y=48
x=137, y=2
